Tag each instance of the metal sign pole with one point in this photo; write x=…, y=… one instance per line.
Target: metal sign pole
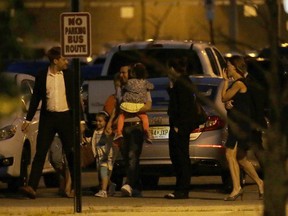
x=76, y=120
x=77, y=168
x=76, y=44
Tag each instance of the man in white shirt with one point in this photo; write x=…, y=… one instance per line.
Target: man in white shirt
x=53, y=88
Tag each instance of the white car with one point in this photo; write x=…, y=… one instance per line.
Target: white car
x=17, y=149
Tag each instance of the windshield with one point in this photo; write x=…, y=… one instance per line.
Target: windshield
x=155, y=60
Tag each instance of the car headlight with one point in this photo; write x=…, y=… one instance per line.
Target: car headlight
x=7, y=132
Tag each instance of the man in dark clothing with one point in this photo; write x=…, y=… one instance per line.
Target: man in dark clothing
x=181, y=113
x=132, y=144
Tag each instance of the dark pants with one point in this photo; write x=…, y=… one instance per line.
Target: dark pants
x=131, y=150
x=50, y=124
x=179, y=155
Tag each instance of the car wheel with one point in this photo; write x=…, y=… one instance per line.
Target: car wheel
x=149, y=181
x=51, y=180
x=22, y=180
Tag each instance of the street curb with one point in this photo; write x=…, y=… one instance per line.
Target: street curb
x=247, y=210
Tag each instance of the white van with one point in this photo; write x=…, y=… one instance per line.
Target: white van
x=17, y=149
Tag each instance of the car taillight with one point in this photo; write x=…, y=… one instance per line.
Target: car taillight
x=212, y=123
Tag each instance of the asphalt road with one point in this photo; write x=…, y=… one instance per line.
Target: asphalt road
x=206, y=198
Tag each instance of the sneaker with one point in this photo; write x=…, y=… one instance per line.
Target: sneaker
x=101, y=193
x=177, y=195
x=126, y=190
x=112, y=189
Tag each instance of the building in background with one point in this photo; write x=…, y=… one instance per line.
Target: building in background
x=114, y=21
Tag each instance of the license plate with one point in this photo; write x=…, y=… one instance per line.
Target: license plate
x=160, y=132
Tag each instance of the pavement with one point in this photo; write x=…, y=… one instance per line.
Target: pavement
x=151, y=204
x=205, y=199
x=243, y=210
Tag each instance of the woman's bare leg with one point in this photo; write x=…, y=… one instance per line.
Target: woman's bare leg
x=234, y=169
x=250, y=170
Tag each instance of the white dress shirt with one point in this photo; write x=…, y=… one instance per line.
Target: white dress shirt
x=56, y=92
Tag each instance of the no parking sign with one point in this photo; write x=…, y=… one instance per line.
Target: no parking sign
x=75, y=34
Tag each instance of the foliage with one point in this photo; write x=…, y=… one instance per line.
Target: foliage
x=15, y=23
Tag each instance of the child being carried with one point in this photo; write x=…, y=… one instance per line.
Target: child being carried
x=134, y=98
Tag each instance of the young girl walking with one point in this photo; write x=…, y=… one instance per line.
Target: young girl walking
x=103, y=152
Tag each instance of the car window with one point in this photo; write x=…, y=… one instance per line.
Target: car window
x=213, y=61
x=160, y=97
x=221, y=60
x=155, y=60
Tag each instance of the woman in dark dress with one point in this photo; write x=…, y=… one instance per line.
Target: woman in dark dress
x=239, y=131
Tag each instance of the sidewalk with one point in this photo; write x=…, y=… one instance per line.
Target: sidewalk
x=247, y=210
x=199, y=204
x=205, y=199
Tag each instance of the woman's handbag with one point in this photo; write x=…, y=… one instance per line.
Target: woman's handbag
x=87, y=156
x=201, y=116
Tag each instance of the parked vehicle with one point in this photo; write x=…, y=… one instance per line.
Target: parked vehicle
x=32, y=67
x=203, y=59
x=17, y=149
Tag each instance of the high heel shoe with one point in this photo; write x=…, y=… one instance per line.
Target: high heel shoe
x=235, y=197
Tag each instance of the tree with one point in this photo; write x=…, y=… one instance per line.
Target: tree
x=15, y=22
x=276, y=153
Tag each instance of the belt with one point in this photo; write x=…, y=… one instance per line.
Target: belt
x=132, y=123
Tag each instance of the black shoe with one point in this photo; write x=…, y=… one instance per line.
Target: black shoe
x=176, y=195
x=235, y=197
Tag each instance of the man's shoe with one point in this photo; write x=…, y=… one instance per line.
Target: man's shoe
x=28, y=192
x=126, y=190
x=176, y=195
x=70, y=194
